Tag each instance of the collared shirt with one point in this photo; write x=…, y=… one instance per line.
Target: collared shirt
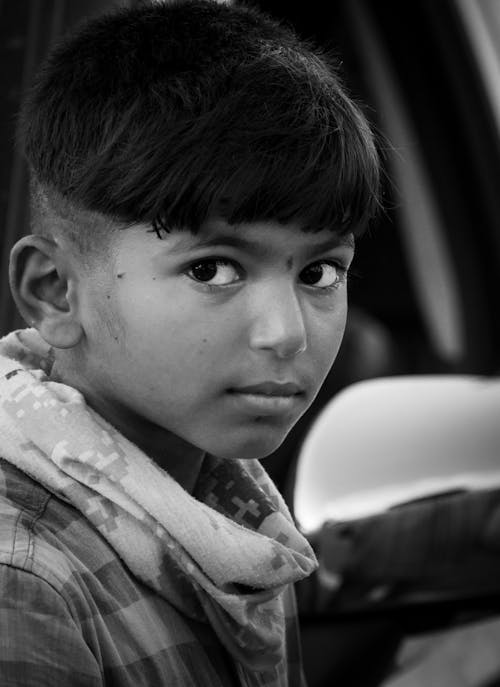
x=72, y=614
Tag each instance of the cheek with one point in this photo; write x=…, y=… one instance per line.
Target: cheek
x=100, y=316
x=339, y=326
x=171, y=329
x=328, y=333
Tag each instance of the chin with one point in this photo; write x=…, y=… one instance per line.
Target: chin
x=258, y=445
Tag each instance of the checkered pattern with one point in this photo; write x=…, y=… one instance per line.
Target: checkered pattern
x=72, y=614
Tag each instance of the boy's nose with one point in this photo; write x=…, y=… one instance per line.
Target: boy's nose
x=278, y=323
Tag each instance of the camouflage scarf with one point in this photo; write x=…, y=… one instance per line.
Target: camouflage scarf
x=224, y=553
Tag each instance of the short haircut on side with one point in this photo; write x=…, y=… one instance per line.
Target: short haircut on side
x=170, y=113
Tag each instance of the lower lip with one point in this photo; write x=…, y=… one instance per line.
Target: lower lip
x=264, y=404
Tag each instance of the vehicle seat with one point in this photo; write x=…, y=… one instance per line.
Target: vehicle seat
x=398, y=487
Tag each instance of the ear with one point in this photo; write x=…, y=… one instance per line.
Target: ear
x=44, y=290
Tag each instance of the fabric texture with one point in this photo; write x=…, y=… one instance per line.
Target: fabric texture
x=222, y=559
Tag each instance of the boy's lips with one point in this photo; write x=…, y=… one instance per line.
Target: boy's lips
x=270, y=388
x=268, y=398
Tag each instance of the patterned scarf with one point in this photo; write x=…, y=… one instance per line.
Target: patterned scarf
x=224, y=553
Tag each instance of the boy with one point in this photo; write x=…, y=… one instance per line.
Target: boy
x=197, y=177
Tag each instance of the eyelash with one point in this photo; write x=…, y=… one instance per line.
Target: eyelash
x=342, y=272
x=214, y=260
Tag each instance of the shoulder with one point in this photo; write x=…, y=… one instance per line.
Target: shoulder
x=43, y=535
x=36, y=612
x=22, y=503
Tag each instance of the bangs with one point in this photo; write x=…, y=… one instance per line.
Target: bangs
x=283, y=152
x=284, y=176
x=257, y=128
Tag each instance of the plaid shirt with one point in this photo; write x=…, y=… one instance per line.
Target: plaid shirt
x=72, y=614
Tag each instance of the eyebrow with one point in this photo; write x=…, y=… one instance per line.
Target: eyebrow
x=252, y=247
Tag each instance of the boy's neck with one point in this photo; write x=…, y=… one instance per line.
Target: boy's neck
x=180, y=459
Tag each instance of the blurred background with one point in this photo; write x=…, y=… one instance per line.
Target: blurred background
x=424, y=293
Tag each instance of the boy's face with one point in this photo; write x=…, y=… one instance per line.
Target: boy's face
x=222, y=338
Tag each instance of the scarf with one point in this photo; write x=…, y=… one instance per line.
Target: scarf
x=223, y=554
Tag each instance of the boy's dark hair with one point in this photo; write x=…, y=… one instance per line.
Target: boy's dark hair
x=170, y=113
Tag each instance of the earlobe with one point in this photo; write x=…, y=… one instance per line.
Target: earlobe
x=44, y=291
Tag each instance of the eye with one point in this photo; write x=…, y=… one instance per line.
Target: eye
x=323, y=275
x=214, y=271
